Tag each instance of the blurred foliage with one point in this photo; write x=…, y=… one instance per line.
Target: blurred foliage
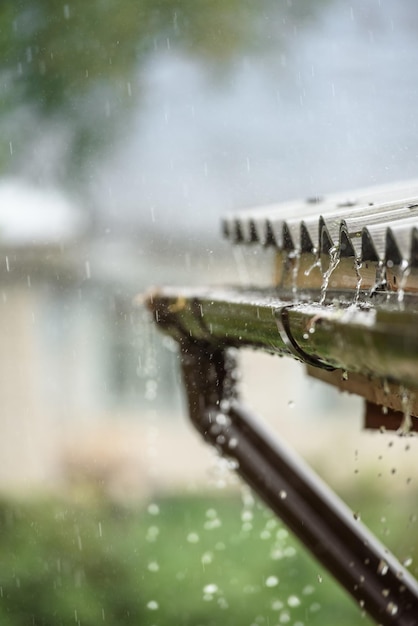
x=180, y=560
x=77, y=64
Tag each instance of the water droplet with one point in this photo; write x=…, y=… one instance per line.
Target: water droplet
x=392, y=608
x=152, y=533
x=210, y=524
x=282, y=494
x=153, y=509
x=407, y=562
x=222, y=420
x=276, y=605
x=232, y=443
x=308, y=590
x=284, y=618
x=333, y=262
x=207, y=558
x=152, y=605
x=223, y=604
x=356, y=516
x=265, y=534
x=153, y=566
x=293, y=601
x=66, y=11
x=276, y=554
x=319, y=578
x=210, y=589
x=344, y=375
x=193, y=538
x=272, y=581
x=382, y=568
x=289, y=552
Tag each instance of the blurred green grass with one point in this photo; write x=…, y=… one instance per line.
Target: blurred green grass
x=191, y=560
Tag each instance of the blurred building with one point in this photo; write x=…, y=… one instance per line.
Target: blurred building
x=75, y=360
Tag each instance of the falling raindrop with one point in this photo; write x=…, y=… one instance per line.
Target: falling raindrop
x=382, y=568
x=392, y=608
x=294, y=258
x=334, y=260
x=277, y=605
x=152, y=534
x=207, y=558
x=265, y=534
x=153, y=509
x=223, y=604
x=407, y=398
x=357, y=268
x=152, y=605
x=211, y=589
x=153, y=566
x=405, y=272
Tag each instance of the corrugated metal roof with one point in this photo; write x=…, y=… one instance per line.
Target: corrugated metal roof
x=373, y=225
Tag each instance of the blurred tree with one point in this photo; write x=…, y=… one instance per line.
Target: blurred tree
x=73, y=66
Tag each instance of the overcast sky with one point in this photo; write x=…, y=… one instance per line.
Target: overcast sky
x=335, y=111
